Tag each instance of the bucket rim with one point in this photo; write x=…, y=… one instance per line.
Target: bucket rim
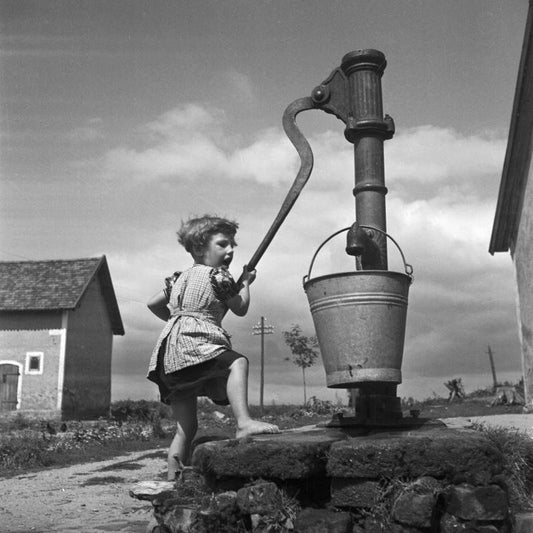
x=359, y=273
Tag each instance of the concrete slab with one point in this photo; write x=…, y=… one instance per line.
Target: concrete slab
x=521, y=422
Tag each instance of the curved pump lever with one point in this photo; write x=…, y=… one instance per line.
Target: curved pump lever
x=306, y=156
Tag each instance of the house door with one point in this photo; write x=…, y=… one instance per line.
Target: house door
x=9, y=379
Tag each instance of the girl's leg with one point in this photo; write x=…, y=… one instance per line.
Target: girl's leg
x=184, y=413
x=237, y=390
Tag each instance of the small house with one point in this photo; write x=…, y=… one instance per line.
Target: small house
x=57, y=321
x=512, y=230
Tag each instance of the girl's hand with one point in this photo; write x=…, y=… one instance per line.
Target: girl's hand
x=248, y=276
x=240, y=302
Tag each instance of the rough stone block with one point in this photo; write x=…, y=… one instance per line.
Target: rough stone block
x=452, y=524
x=464, y=455
x=354, y=493
x=278, y=456
x=400, y=528
x=414, y=509
x=373, y=525
x=260, y=498
x=174, y=516
x=523, y=522
x=477, y=503
x=322, y=521
x=219, y=513
x=149, y=490
x=223, y=502
x=425, y=485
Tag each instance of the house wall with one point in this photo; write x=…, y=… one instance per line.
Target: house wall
x=523, y=260
x=87, y=378
x=38, y=392
x=30, y=320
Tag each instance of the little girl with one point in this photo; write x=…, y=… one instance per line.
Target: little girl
x=193, y=355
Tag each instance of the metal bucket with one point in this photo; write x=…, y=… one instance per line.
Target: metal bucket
x=360, y=320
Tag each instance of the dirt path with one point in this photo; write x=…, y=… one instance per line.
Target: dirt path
x=86, y=498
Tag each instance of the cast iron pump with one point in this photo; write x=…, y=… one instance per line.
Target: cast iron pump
x=352, y=92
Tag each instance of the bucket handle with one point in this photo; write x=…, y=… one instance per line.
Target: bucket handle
x=408, y=268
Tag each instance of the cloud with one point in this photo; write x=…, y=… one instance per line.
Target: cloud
x=180, y=122
x=189, y=142
x=429, y=160
x=188, y=159
x=269, y=159
x=440, y=207
x=239, y=86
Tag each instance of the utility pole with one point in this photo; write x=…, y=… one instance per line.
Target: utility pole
x=494, y=380
x=262, y=329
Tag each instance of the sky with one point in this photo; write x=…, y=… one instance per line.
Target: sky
x=119, y=119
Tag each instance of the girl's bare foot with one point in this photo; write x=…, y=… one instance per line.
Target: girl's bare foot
x=255, y=427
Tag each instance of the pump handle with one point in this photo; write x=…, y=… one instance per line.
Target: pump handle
x=306, y=156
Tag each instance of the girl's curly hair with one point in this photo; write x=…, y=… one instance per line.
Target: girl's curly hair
x=194, y=234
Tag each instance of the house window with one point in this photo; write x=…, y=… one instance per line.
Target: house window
x=34, y=362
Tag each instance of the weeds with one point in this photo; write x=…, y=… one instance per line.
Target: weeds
x=26, y=449
x=517, y=450
x=282, y=519
x=35, y=448
x=380, y=513
x=139, y=410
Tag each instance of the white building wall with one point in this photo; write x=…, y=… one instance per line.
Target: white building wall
x=523, y=259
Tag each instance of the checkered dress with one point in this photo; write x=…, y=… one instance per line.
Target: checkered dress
x=193, y=333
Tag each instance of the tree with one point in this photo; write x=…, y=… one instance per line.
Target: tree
x=303, y=350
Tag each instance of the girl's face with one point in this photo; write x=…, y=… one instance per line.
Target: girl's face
x=219, y=250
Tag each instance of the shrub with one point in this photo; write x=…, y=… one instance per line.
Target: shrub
x=140, y=410
x=31, y=448
x=321, y=407
x=24, y=449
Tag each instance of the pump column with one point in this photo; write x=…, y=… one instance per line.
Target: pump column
x=367, y=129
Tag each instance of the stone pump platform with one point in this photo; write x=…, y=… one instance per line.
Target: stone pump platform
x=433, y=478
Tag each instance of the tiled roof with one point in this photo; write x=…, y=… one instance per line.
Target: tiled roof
x=54, y=285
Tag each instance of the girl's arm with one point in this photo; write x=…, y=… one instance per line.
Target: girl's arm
x=158, y=305
x=240, y=302
x=158, y=302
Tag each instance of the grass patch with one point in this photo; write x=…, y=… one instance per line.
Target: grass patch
x=25, y=448
x=30, y=451
x=106, y=480
x=517, y=450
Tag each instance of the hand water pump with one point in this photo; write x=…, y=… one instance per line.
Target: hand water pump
x=359, y=316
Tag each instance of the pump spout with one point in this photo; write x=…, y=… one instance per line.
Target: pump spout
x=360, y=243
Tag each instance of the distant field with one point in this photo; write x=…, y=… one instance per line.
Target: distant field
x=466, y=408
